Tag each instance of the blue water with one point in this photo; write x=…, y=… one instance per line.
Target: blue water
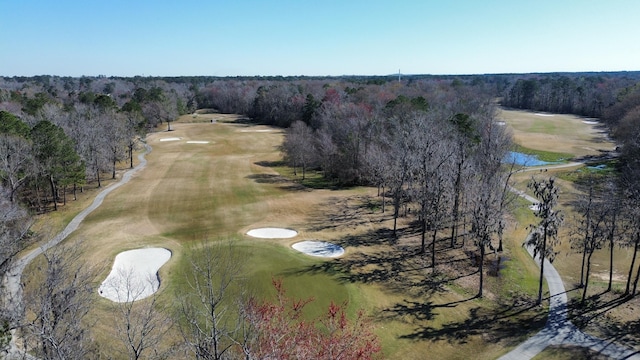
x=524, y=159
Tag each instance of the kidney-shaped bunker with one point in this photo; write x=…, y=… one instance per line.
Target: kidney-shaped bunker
x=134, y=275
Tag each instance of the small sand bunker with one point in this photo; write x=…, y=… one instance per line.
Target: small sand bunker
x=197, y=142
x=541, y=114
x=590, y=122
x=272, y=233
x=134, y=275
x=170, y=139
x=534, y=207
x=318, y=248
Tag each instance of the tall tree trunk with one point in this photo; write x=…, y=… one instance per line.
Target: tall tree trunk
x=423, y=231
x=611, y=246
x=433, y=248
x=131, y=156
x=98, y=173
x=396, y=212
x=635, y=282
x=636, y=244
x=542, y=256
x=481, y=269
x=586, y=282
x=456, y=206
x=53, y=193
x=113, y=170
x=584, y=260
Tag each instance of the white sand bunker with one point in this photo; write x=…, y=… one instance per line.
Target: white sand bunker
x=318, y=248
x=541, y=114
x=272, y=233
x=197, y=142
x=590, y=122
x=170, y=139
x=134, y=275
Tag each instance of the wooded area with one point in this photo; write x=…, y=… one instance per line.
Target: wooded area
x=432, y=145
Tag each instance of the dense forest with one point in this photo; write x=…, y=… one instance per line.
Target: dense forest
x=428, y=143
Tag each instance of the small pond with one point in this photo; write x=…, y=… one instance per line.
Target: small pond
x=524, y=159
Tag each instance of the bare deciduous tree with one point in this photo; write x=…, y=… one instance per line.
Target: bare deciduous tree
x=544, y=235
x=16, y=159
x=298, y=147
x=141, y=324
x=59, y=303
x=209, y=313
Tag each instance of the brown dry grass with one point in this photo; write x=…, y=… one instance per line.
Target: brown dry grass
x=558, y=133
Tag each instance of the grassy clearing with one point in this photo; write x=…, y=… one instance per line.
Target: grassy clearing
x=559, y=133
x=549, y=156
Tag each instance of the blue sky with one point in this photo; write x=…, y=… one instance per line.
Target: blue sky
x=320, y=37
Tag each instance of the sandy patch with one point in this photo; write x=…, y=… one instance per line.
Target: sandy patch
x=197, y=142
x=590, y=122
x=272, y=233
x=170, y=139
x=134, y=275
x=319, y=248
x=541, y=114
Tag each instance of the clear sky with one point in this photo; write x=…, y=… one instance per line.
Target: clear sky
x=316, y=37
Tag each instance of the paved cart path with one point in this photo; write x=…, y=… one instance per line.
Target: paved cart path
x=559, y=330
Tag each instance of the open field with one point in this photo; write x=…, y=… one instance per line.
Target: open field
x=217, y=191
x=556, y=132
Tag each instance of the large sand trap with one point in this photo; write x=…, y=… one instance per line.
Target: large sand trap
x=272, y=233
x=134, y=274
x=170, y=139
x=318, y=248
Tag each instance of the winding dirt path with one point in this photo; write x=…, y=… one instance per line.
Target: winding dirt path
x=559, y=330
x=13, y=278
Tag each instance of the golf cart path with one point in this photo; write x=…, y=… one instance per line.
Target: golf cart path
x=13, y=278
x=559, y=330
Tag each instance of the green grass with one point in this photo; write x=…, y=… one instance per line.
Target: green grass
x=548, y=156
x=262, y=261
x=583, y=174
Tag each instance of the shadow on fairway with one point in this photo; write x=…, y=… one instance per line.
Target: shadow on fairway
x=505, y=322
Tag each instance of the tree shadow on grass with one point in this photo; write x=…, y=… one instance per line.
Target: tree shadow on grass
x=595, y=315
x=511, y=323
x=279, y=180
